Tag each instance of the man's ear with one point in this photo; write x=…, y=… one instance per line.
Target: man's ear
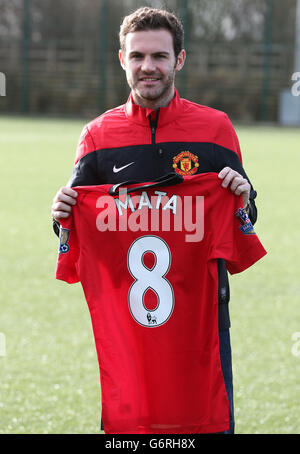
x=180, y=60
x=122, y=59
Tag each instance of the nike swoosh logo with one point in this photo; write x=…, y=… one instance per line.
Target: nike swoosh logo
x=118, y=169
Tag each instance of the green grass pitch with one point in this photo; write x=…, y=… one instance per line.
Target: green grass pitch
x=49, y=378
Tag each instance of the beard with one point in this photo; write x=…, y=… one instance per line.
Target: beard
x=152, y=93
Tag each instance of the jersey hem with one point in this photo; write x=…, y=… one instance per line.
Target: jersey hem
x=209, y=429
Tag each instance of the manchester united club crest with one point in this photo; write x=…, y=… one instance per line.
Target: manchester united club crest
x=185, y=163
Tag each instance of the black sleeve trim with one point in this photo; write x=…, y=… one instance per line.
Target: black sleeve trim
x=228, y=158
x=56, y=227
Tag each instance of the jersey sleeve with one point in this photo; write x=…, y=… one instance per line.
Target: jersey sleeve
x=235, y=240
x=85, y=144
x=227, y=137
x=67, y=267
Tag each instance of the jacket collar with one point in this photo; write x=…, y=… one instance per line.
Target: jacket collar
x=141, y=115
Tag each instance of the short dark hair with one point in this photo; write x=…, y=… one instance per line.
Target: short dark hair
x=146, y=18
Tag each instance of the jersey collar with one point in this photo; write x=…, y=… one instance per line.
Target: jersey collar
x=141, y=115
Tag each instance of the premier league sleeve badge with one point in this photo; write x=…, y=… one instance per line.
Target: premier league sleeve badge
x=246, y=226
x=64, y=235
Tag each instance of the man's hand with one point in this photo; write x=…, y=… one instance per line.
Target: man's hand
x=63, y=202
x=236, y=183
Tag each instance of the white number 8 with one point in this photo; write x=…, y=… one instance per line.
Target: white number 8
x=153, y=279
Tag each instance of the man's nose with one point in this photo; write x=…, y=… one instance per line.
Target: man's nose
x=148, y=65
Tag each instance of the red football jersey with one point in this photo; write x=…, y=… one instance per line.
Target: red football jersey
x=147, y=261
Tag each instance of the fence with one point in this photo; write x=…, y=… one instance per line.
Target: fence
x=67, y=78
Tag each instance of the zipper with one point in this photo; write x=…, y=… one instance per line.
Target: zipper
x=156, y=153
x=153, y=127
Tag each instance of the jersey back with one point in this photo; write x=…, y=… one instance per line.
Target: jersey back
x=147, y=261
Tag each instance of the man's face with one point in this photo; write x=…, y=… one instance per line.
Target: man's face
x=150, y=65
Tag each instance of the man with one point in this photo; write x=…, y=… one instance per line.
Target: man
x=157, y=132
